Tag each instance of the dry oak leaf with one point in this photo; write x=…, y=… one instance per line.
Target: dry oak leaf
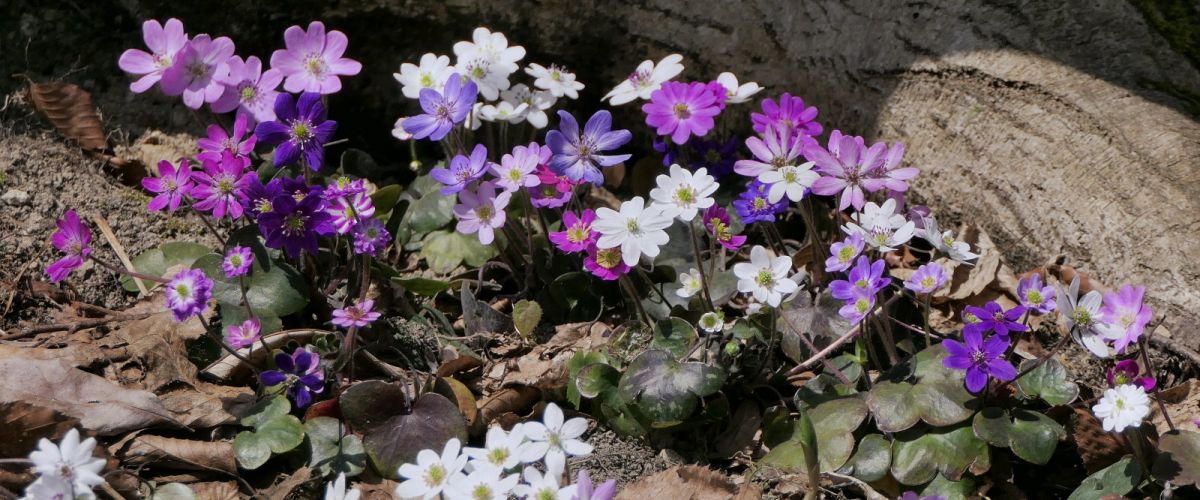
x=23, y=424
x=689, y=482
x=179, y=454
x=69, y=108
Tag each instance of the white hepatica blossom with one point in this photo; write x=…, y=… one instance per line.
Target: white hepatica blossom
x=432, y=473
x=636, y=228
x=944, y=241
x=540, y=486
x=734, y=93
x=336, y=490
x=432, y=73
x=484, y=74
x=765, y=278
x=554, y=439
x=684, y=192
x=1122, y=406
x=555, y=79
x=689, y=284
x=1082, y=318
x=790, y=180
x=67, y=467
x=647, y=78
x=501, y=449
x=503, y=111
x=474, y=120
x=398, y=130
x=493, y=48
x=712, y=322
x=880, y=226
x=536, y=103
x=53, y=487
x=483, y=483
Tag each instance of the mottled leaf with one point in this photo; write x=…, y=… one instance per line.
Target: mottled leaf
x=156, y=261
x=334, y=449
x=596, y=379
x=574, y=365
x=834, y=423
x=433, y=421
x=919, y=454
x=444, y=251
x=1179, y=458
x=872, y=458
x=423, y=286
x=1032, y=436
x=666, y=390
x=371, y=403
x=1048, y=381
x=675, y=335
x=1117, y=479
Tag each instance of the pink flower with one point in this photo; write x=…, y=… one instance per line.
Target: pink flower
x=889, y=174
x=789, y=113
x=359, y=315
x=221, y=185
x=516, y=170
x=1125, y=313
x=243, y=335
x=682, y=110
x=237, y=261
x=778, y=148
x=220, y=141
x=172, y=185
x=577, y=235
x=194, y=72
x=347, y=210
x=844, y=167
x=72, y=238
x=248, y=89
x=164, y=43
x=481, y=211
x=313, y=59
x=605, y=263
x=553, y=191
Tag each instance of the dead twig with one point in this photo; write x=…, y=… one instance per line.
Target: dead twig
x=74, y=326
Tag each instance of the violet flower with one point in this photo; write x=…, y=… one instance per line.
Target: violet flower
x=980, y=358
x=258, y=198
x=585, y=490
x=194, y=72
x=300, y=128
x=605, y=263
x=778, y=148
x=842, y=253
x=1128, y=372
x=1126, y=315
x=343, y=187
x=670, y=151
x=237, y=261
x=220, y=141
x=856, y=308
x=188, y=294
x=682, y=110
x=1036, y=298
x=172, y=185
x=442, y=110
x=359, y=315
x=220, y=187
x=716, y=156
x=718, y=225
x=553, y=191
x=889, y=174
x=301, y=371
x=348, y=210
x=370, y=237
x=164, y=42
x=927, y=279
x=462, y=171
x=577, y=156
x=249, y=90
x=72, y=238
x=313, y=59
x=844, y=166
x=865, y=279
x=245, y=334
x=482, y=211
x=754, y=205
x=294, y=225
x=577, y=234
x=993, y=317
x=789, y=113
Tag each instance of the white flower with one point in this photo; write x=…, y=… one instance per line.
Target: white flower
x=712, y=322
x=555, y=79
x=944, y=241
x=637, y=229
x=543, y=487
x=555, y=439
x=70, y=461
x=689, y=283
x=1082, y=317
x=492, y=48
x=483, y=483
x=536, y=103
x=791, y=180
x=647, y=78
x=765, y=278
x=1122, y=406
x=753, y=307
x=398, y=130
x=880, y=226
x=53, y=487
x=337, y=490
x=484, y=74
x=735, y=94
x=503, y=111
x=501, y=449
x=432, y=73
x=684, y=192
x=474, y=121
x=432, y=473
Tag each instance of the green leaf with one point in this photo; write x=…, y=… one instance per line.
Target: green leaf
x=266, y=410
x=526, y=316
x=834, y=423
x=950, y=490
x=665, y=390
x=872, y=458
x=919, y=454
x=251, y=450
x=156, y=261
x=444, y=251
x=386, y=197
x=1117, y=479
x=275, y=292
x=281, y=434
x=434, y=421
x=596, y=379
x=275, y=431
x=1048, y=382
x=333, y=448
x=430, y=213
x=423, y=286
x=937, y=397
x=1178, y=458
x=574, y=365
x=358, y=162
x=675, y=335
x=371, y=403
x=1032, y=436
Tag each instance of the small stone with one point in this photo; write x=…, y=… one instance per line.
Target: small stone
x=15, y=197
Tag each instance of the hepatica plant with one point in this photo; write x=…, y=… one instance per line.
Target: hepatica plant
x=756, y=261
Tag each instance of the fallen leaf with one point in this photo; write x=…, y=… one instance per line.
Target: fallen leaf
x=1183, y=405
x=1097, y=448
x=283, y=489
x=183, y=454
x=69, y=108
x=545, y=366
x=688, y=481
x=216, y=490
x=507, y=400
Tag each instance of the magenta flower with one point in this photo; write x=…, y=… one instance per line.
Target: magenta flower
x=1128, y=372
x=442, y=110
x=237, y=261
x=195, y=70
x=789, y=113
x=348, y=210
x=72, y=238
x=462, y=171
x=981, y=359
x=164, y=42
x=842, y=253
x=370, y=236
x=553, y=192
x=343, y=187
x=220, y=141
x=358, y=315
x=993, y=317
x=301, y=371
x=577, y=234
x=172, y=185
x=300, y=129
x=844, y=167
x=865, y=279
x=719, y=93
x=778, y=148
x=220, y=187
x=717, y=223
x=249, y=90
x=1036, y=298
x=188, y=294
x=889, y=174
x=1125, y=313
x=313, y=59
x=481, y=211
x=578, y=156
x=682, y=110
x=243, y=335
x=605, y=263
x=927, y=279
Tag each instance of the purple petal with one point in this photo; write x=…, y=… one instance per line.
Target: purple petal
x=1002, y=370
x=272, y=377
x=976, y=379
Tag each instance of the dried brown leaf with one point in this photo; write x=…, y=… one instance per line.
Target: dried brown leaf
x=69, y=108
x=227, y=490
x=688, y=481
x=23, y=424
x=1182, y=402
x=545, y=366
x=180, y=454
x=283, y=489
x=1097, y=448
x=507, y=400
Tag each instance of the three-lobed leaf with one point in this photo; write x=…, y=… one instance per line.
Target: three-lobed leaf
x=664, y=389
x=1032, y=436
x=920, y=454
x=1048, y=381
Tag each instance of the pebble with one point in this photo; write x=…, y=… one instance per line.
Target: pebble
x=15, y=197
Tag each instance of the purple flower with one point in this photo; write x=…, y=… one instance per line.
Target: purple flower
x=237, y=261
x=912, y=495
x=348, y=210
x=578, y=156
x=248, y=89
x=553, y=191
x=172, y=185
x=844, y=167
x=1125, y=313
x=790, y=114
x=243, y=335
x=313, y=59
x=865, y=279
x=72, y=238
x=370, y=236
x=220, y=187
x=671, y=152
x=294, y=225
x=462, y=170
x=344, y=187
x=301, y=371
x=577, y=234
x=219, y=141
x=927, y=279
x=481, y=211
x=1036, y=298
x=842, y=253
x=889, y=174
x=258, y=198
x=195, y=69
x=713, y=155
x=188, y=293
x=605, y=263
x=981, y=359
x=716, y=222
x=778, y=148
x=1128, y=372
x=300, y=128
x=585, y=490
x=855, y=309
x=164, y=42
x=681, y=110
x=358, y=315
x=993, y=317
x=753, y=205
x=442, y=111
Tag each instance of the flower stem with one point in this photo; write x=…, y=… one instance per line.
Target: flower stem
x=1145, y=348
x=708, y=303
x=637, y=303
x=928, y=303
